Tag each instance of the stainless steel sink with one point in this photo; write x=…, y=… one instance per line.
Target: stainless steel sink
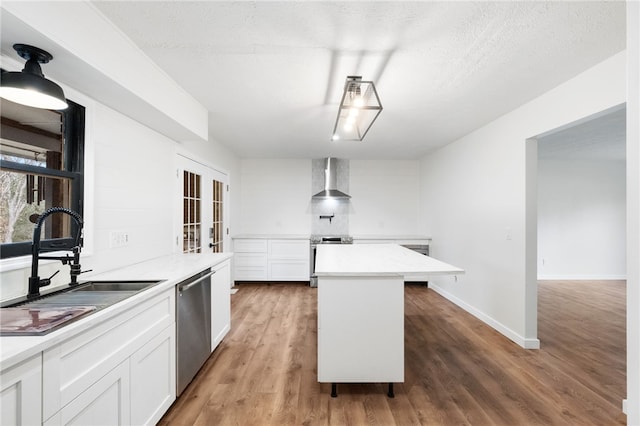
x=98, y=294
x=117, y=286
x=73, y=298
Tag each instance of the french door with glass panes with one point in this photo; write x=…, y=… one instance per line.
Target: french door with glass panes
x=203, y=192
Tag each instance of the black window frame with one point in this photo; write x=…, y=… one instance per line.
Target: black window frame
x=73, y=129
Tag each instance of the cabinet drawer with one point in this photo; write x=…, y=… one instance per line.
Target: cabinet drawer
x=248, y=273
x=250, y=259
x=249, y=246
x=289, y=249
x=72, y=366
x=250, y=266
x=289, y=270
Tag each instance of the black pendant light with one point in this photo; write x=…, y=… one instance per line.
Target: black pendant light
x=29, y=87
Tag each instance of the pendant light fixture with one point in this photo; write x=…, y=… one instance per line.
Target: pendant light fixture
x=359, y=108
x=29, y=87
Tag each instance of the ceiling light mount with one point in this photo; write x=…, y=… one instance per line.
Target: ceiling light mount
x=30, y=87
x=34, y=57
x=359, y=108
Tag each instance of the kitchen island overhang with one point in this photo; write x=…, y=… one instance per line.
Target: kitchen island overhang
x=361, y=310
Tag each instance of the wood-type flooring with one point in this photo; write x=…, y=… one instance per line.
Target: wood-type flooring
x=457, y=369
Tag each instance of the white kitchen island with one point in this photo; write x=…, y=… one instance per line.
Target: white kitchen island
x=361, y=310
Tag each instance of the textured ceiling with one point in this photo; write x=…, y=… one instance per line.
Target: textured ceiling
x=597, y=138
x=270, y=73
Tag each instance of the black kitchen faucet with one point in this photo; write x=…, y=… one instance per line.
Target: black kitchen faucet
x=74, y=246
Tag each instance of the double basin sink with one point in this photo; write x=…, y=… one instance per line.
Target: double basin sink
x=52, y=311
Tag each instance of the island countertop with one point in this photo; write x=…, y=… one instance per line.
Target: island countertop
x=361, y=310
x=377, y=259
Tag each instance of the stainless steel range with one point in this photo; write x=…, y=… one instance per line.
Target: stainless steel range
x=323, y=239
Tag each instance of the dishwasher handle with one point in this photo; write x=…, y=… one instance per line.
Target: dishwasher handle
x=187, y=286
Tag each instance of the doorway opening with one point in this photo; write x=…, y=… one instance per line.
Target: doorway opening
x=578, y=264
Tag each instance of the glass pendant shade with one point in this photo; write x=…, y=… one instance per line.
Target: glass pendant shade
x=359, y=108
x=29, y=87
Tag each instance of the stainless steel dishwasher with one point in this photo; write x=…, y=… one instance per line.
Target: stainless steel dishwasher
x=193, y=326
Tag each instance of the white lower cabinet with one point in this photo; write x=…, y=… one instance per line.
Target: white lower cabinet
x=129, y=356
x=289, y=260
x=250, y=266
x=106, y=402
x=21, y=393
x=152, y=389
x=220, y=303
x=250, y=259
x=271, y=259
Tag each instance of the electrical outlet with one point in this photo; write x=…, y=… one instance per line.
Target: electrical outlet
x=118, y=239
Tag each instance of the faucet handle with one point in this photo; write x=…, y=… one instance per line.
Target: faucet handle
x=46, y=281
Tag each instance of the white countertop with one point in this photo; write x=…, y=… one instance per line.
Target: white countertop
x=173, y=269
x=377, y=259
x=390, y=237
x=272, y=236
x=307, y=236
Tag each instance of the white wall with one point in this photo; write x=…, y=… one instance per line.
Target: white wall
x=133, y=170
x=477, y=209
x=633, y=213
x=128, y=174
x=275, y=196
x=384, y=197
x=581, y=219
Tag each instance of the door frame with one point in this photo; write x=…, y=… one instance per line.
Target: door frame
x=208, y=173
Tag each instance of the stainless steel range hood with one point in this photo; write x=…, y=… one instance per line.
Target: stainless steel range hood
x=330, y=182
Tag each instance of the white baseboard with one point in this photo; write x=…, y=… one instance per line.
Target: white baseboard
x=624, y=406
x=498, y=326
x=583, y=277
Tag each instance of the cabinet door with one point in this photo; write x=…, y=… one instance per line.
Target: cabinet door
x=250, y=266
x=289, y=260
x=153, y=378
x=21, y=396
x=106, y=402
x=220, y=303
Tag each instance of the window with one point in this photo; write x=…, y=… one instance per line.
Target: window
x=41, y=166
x=202, y=204
x=217, y=235
x=191, y=213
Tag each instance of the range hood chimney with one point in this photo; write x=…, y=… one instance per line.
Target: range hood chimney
x=330, y=182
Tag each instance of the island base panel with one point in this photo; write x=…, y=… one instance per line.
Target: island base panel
x=360, y=329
